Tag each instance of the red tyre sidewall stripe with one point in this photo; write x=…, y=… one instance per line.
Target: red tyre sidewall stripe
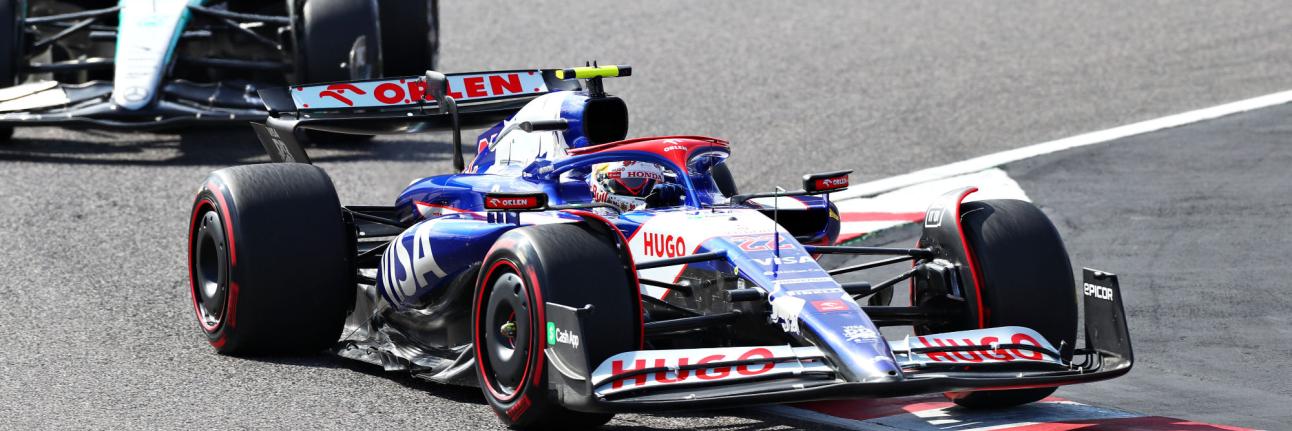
x=541, y=307
x=231, y=298
x=971, y=260
x=518, y=409
x=478, y=337
x=202, y=203
x=231, y=303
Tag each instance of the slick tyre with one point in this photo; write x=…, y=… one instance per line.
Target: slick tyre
x=526, y=269
x=268, y=256
x=336, y=40
x=1026, y=280
x=11, y=43
x=724, y=180
x=410, y=36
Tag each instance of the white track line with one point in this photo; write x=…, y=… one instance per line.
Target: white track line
x=993, y=160
x=982, y=163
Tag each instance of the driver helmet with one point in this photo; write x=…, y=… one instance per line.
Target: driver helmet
x=625, y=184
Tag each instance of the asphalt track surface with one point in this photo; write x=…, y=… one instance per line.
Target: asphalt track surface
x=1193, y=221
x=98, y=332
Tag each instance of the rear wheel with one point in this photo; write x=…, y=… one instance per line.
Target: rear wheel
x=269, y=262
x=1026, y=280
x=723, y=178
x=528, y=268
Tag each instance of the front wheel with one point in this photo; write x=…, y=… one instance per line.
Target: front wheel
x=410, y=36
x=527, y=269
x=336, y=40
x=1025, y=279
x=10, y=51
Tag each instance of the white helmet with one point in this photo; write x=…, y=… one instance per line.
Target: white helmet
x=625, y=184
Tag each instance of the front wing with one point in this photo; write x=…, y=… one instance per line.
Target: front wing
x=730, y=376
x=50, y=103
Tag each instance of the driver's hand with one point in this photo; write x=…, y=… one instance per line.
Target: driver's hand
x=665, y=195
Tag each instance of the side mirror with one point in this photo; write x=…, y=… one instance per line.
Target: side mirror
x=813, y=184
x=826, y=182
x=437, y=87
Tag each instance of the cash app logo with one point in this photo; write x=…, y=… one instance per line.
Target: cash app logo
x=551, y=333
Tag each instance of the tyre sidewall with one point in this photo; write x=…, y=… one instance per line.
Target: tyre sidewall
x=11, y=55
x=290, y=277
x=534, y=250
x=723, y=179
x=410, y=35
x=518, y=408
x=219, y=338
x=325, y=33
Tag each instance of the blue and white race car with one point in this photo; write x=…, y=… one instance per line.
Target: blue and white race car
x=572, y=273
x=149, y=64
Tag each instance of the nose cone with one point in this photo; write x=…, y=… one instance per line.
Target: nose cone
x=144, y=49
x=859, y=350
x=828, y=317
x=132, y=98
x=811, y=306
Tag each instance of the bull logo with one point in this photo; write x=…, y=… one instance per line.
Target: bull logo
x=933, y=218
x=337, y=91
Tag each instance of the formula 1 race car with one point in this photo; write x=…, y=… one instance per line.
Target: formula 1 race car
x=572, y=273
x=149, y=64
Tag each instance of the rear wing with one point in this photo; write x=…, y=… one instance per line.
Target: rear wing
x=401, y=95
x=411, y=104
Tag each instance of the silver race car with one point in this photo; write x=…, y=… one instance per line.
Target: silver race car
x=157, y=64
